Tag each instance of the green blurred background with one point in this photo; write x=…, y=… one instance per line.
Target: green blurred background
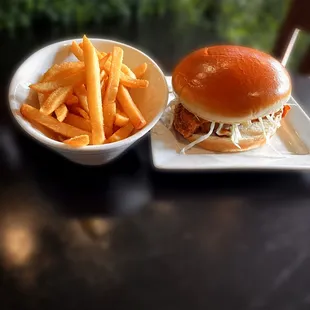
x=247, y=22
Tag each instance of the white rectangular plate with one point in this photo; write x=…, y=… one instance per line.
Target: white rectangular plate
x=289, y=149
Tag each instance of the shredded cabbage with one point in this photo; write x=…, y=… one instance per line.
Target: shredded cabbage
x=168, y=115
x=247, y=124
x=218, y=131
x=278, y=119
x=276, y=122
x=235, y=135
x=238, y=133
x=200, y=139
x=273, y=122
x=263, y=128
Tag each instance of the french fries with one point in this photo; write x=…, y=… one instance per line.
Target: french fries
x=78, y=141
x=121, y=119
x=121, y=133
x=72, y=99
x=124, y=69
x=50, y=122
x=77, y=51
x=61, y=112
x=126, y=80
x=88, y=101
x=99, y=55
x=47, y=87
x=61, y=138
x=42, y=98
x=103, y=74
x=93, y=91
x=109, y=105
x=104, y=60
x=78, y=122
x=55, y=99
x=79, y=111
x=127, y=71
x=140, y=70
x=62, y=70
x=46, y=131
x=133, y=83
x=129, y=107
x=81, y=93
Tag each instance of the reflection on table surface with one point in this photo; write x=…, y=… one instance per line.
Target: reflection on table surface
x=184, y=250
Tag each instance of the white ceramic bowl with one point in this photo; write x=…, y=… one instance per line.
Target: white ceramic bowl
x=151, y=101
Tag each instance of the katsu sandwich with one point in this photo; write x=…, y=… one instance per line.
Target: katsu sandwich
x=229, y=98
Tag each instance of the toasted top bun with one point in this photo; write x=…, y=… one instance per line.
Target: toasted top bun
x=231, y=84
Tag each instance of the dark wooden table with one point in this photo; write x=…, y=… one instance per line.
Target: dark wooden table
x=125, y=236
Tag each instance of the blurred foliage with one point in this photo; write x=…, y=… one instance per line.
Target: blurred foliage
x=253, y=23
x=256, y=23
x=247, y=22
x=19, y=13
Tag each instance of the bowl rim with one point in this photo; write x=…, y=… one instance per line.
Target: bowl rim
x=34, y=133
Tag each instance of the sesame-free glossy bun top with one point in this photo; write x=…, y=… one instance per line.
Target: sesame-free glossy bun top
x=231, y=84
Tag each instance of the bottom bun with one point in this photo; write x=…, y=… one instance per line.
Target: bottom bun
x=225, y=145
x=252, y=138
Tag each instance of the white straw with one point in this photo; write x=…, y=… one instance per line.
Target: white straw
x=290, y=47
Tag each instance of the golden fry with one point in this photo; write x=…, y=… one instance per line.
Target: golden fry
x=77, y=51
x=55, y=99
x=105, y=62
x=103, y=85
x=42, y=98
x=93, y=91
x=63, y=74
x=103, y=88
x=127, y=81
x=121, y=133
x=129, y=107
x=121, y=119
x=99, y=55
x=104, y=59
x=50, y=73
x=72, y=99
x=61, y=112
x=97, y=52
x=77, y=121
x=81, y=93
x=46, y=131
x=78, y=141
x=50, y=122
x=126, y=70
x=61, y=70
x=47, y=87
x=140, y=70
x=61, y=138
x=103, y=74
x=109, y=105
x=79, y=111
